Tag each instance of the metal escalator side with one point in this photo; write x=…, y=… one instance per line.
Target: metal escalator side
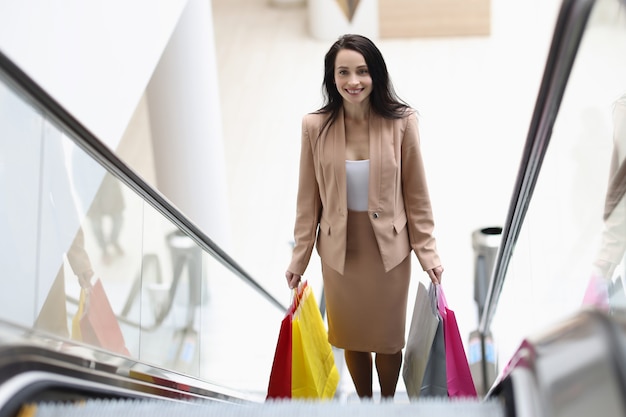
x=35, y=375
x=569, y=30
x=558, y=275
x=102, y=270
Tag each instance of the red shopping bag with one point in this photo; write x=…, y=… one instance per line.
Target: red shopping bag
x=280, y=376
x=459, y=376
x=98, y=323
x=279, y=386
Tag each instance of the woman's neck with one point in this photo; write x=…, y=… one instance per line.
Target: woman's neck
x=356, y=112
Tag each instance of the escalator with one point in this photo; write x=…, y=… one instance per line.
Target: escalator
x=76, y=218
x=178, y=299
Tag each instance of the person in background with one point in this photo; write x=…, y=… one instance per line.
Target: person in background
x=108, y=203
x=613, y=242
x=363, y=201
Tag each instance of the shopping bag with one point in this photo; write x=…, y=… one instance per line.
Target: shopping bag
x=458, y=374
x=76, y=333
x=422, y=331
x=279, y=386
x=597, y=292
x=98, y=323
x=435, y=381
x=314, y=374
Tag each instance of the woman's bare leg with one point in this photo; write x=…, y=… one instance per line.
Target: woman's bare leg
x=360, y=367
x=388, y=368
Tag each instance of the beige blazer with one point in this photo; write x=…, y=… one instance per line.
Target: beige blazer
x=398, y=201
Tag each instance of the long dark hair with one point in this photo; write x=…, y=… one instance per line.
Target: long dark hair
x=383, y=99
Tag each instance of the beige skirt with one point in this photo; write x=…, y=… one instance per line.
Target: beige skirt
x=366, y=307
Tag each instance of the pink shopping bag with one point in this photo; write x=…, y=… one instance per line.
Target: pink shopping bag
x=597, y=293
x=459, y=376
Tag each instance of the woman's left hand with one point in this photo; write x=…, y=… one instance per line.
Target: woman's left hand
x=435, y=274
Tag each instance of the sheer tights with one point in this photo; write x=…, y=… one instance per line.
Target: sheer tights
x=387, y=366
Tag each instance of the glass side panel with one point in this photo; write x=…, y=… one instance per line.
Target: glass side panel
x=235, y=332
x=21, y=133
x=564, y=236
x=86, y=260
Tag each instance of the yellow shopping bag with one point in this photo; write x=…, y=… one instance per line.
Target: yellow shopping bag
x=76, y=333
x=314, y=374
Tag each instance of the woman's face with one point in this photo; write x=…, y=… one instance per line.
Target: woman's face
x=352, y=77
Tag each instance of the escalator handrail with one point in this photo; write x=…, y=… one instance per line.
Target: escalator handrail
x=28, y=372
x=570, y=25
x=87, y=141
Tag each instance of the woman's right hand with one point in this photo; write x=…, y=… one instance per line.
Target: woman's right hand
x=292, y=279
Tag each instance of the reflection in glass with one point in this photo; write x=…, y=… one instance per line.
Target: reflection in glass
x=106, y=216
x=171, y=293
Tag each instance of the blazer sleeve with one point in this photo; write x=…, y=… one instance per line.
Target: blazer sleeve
x=308, y=205
x=417, y=204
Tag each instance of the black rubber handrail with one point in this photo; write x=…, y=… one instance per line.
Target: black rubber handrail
x=87, y=141
x=570, y=26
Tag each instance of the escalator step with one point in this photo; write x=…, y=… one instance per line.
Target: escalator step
x=135, y=408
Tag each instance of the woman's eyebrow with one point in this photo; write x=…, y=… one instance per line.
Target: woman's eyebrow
x=346, y=67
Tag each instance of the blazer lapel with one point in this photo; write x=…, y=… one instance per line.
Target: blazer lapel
x=338, y=135
x=375, y=133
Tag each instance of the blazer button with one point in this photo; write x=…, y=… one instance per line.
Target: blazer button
x=375, y=215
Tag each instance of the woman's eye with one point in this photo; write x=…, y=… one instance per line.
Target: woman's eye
x=363, y=71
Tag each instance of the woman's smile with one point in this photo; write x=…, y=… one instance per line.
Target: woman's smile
x=354, y=91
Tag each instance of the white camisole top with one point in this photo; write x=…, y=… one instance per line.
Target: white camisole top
x=357, y=183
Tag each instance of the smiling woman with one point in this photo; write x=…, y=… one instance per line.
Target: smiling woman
x=352, y=77
x=363, y=202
